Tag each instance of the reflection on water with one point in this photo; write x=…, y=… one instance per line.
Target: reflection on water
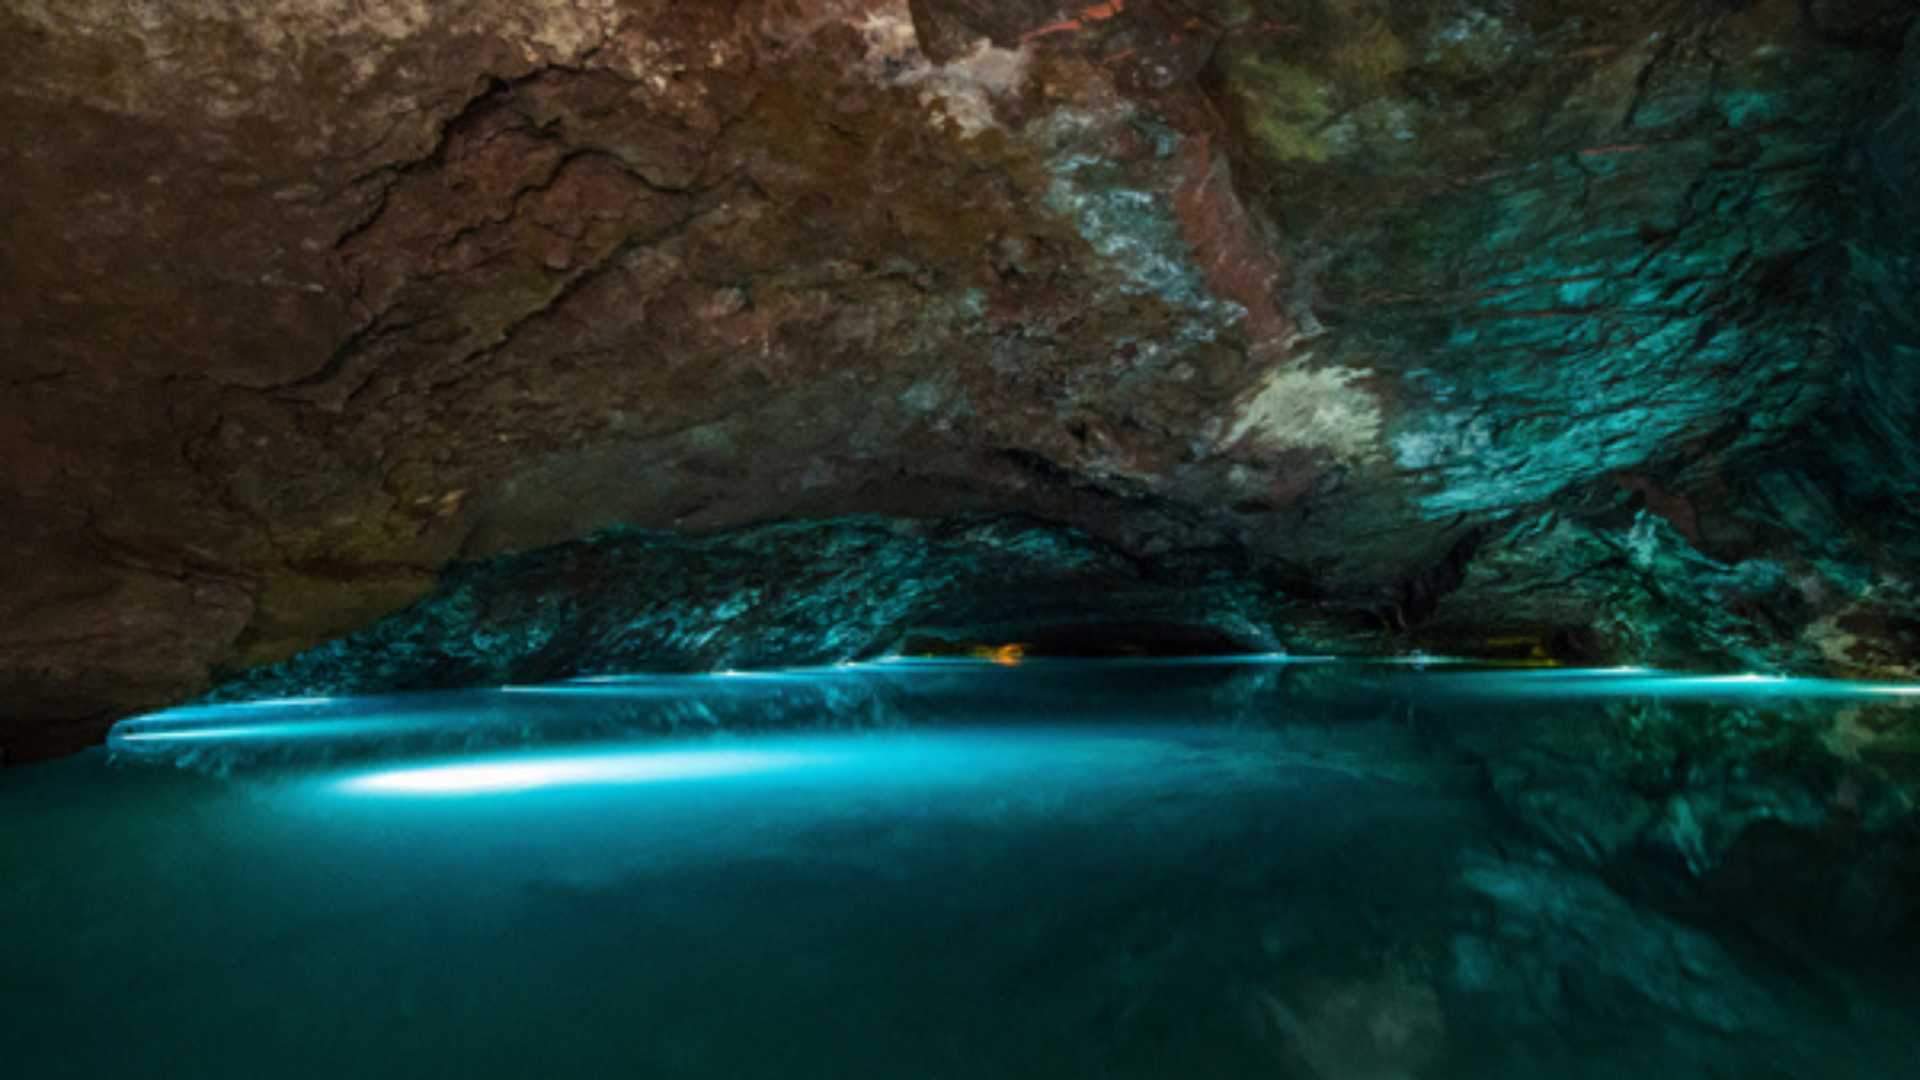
x=1251, y=867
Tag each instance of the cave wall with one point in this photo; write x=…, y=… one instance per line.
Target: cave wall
x=1459, y=322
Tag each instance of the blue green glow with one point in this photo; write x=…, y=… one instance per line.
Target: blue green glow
x=1641, y=682
x=517, y=773
x=645, y=705
x=311, y=729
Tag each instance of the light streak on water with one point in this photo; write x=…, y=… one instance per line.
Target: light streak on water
x=624, y=688
x=1628, y=682
x=520, y=773
x=522, y=715
x=312, y=729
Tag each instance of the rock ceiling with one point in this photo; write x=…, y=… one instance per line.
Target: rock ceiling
x=1586, y=323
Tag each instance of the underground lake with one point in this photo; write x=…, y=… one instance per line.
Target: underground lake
x=1254, y=866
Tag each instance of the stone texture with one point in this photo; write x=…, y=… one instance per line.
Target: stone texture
x=804, y=593
x=1451, y=324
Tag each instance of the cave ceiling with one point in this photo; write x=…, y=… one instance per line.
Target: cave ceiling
x=1466, y=318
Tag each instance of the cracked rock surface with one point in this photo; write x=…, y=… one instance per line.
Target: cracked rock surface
x=1580, y=325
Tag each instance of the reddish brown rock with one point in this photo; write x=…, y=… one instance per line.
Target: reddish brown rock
x=307, y=298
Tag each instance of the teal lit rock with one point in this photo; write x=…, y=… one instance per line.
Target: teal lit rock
x=815, y=593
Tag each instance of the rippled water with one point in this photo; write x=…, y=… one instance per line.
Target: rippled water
x=1249, y=868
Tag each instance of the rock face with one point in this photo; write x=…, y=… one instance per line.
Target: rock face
x=1579, y=324
x=797, y=593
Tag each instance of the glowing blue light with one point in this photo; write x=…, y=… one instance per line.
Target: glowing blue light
x=788, y=674
x=517, y=774
x=1569, y=674
x=602, y=688
x=1229, y=660
x=309, y=729
x=1641, y=682
x=311, y=721
x=1419, y=660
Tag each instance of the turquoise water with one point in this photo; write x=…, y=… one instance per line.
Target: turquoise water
x=1250, y=868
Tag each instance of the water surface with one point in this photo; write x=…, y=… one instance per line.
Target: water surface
x=1240, y=868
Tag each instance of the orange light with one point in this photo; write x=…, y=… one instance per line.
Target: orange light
x=1004, y=655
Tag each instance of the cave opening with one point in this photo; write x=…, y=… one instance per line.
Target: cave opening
x=1078, y=640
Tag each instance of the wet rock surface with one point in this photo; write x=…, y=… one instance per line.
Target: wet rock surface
x=1582, y=327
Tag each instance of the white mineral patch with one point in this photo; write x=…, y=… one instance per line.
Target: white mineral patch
x=270, y=24
x=891, y=37
x=962, y=90
x=565, y=29
x=174, y=37
x=1297, y=408
x=1445, y=441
